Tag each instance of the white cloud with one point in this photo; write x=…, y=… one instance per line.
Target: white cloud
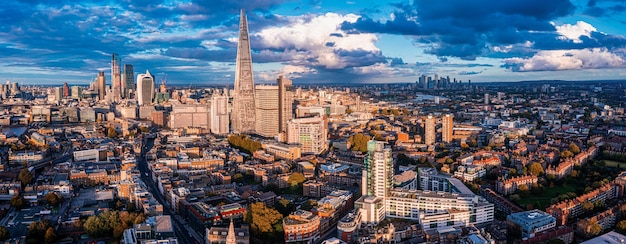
x=595, y=58
x=320, y=38
x=574, y=32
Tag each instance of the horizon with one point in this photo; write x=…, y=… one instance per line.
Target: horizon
x=353, y=42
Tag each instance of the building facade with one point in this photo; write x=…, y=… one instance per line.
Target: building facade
x=267, y=111
x=145, y=88
x=243, y=115
x=310, y=133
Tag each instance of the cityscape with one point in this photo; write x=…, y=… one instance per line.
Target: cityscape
x=280, y=156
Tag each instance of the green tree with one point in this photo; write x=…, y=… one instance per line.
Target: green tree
x=573, y=148
x=18, y=201
x=358, y=142
x=4, y=233
x=284, y=206
x=25, y=176
x=587, y=206
x=535, y=169
x=37, y=230
x=51, y=235
x=262, y=219
x=238, y=177
x=593, y=228
x=296, y=179
x=53, y=199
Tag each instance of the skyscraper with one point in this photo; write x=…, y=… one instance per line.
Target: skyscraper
x=66, y=90
x=101, y=84
x=429, y=130
x=447, y=124
x=285, y=102
x=267, y=112
x=145, y=88
x=116, y=78
x=378, y=170
x=243, y=115
x=219, y=114
x=128, y=80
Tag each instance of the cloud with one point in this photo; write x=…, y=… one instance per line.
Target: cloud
x=574, y=32
x=466, y=29
x=596, y=58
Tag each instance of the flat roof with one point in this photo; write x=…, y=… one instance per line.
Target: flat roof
x=608, y=238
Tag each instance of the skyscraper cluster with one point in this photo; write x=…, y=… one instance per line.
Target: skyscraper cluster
x=436, y=82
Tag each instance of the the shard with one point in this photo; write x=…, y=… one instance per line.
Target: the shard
x=243, y=114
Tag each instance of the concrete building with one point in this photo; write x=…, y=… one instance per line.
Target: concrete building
x=267, y=111
x=101, y=85
x=530, y=222
x=429, y=130
x=301, y=226
x=243, y=115
x=310, y=133
x=190, y=116
x=447, y=125
x=219, y=115
x=285, y=103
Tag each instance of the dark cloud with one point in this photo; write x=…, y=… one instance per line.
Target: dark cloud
x=465, y=29
x=360, y=58
x=469, y=72
x=397, y=61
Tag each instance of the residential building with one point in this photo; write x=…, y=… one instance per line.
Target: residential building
x=530, y=222
x=310, y=133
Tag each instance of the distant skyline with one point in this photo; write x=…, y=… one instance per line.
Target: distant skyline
x=315, y=41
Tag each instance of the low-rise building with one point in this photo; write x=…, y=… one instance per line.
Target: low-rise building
x=530, y=222
x=301, y=226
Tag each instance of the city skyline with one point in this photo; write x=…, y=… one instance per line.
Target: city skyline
x=316, y=42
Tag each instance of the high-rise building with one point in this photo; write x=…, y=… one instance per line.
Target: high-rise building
x=447, y=125
x=101, y=84
x=310, y=133
x=243, y=115
x=219, y=114
x=128, y=80
x=116, y=78
x=66, y=90
x=145, y=88
x=77, y=92
x=487, y=99
x=267, y=112
x=58, y=93
x=285, y=103
x=429, y=130
x=378, y=170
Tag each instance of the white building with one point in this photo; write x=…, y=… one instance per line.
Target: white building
x=311, y=133
x=219, y=115
x=145, y=88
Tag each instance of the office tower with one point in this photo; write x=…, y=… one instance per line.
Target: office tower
x=487, y=99
x=128, y=80
x=429, y=130
x=219, y=114
x=447, y=124
x=116, y=78
x=243, y=115
x=310, y=133
x=267, y=103
x=436, y=82
x=66, y=90
x=145, y=88
x=77, y=92
x=378, y=170
x=58, y=93
x=101, y=84
x=285, y=102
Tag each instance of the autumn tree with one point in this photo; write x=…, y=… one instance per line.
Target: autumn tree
x=38, y=230
x=573, y=148
x=358, y=142
x=592, y=228
x=262, y=220
x=25, y=176
x=621, y=227
x=587, y=206
x=18, y=201
x=50, y=236
x=109, y=223
x=296, y=179
x=53, y=199
x=535, y=169
x=4, y=233
x=242, y=142
x=111, y=132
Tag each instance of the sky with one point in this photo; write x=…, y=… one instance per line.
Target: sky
x=315, y=41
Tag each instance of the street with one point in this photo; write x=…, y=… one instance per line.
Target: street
x=184, y=233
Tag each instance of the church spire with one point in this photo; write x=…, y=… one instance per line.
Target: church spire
x=231, y=238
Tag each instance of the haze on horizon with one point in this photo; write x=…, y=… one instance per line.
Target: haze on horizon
x=314, y=41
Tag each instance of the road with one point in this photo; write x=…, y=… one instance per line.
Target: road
x=181, y=229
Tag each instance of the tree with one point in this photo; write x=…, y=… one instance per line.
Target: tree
x=38, y=230
x=18, y=201
x=358, y=142
x=238, y=177
x=573, y=148
x=535, y=169
x=262, y=219
x=587, y=206
x=111, y=132
x=53, y=199
x=593, y=228
x=566, y=154
x=25, y=176
x=284, y=206
x=4, y=233
x=555, y=241
x=621, y=227
x=296, y=179
x=51, y=235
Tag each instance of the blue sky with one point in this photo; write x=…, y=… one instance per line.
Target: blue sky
x=315, y=41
